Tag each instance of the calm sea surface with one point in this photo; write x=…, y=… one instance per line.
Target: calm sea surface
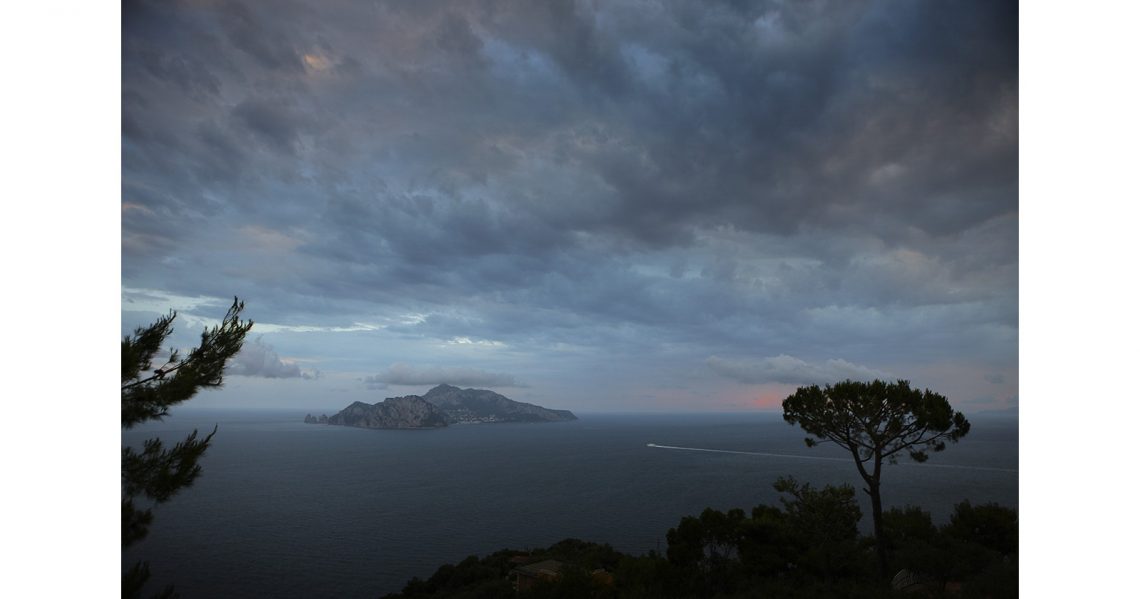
x=286, y=509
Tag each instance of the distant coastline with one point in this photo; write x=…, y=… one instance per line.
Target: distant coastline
x=442, y=406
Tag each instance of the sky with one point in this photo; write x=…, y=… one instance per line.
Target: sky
x=607, y=206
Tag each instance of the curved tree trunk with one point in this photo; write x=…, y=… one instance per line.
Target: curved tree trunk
x=877, y=517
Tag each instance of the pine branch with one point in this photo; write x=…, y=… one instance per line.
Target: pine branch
x=159, y=473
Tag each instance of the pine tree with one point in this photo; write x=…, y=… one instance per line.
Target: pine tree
x=876, y=422
x=156, y=473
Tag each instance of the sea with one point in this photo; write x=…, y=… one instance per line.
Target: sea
x=287, y=509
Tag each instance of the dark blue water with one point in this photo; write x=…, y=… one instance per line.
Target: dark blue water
x=287, y=509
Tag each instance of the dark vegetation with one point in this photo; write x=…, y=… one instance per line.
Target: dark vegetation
x=154, y=474
x=809, y=546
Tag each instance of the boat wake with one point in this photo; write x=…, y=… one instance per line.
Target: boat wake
x=823, y=458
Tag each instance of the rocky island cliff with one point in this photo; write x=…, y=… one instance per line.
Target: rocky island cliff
x=395, y=412
x=439, y=407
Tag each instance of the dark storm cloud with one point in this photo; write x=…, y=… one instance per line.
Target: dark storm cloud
x=247, y=30
x=272, y=122
x=190, y=76
x=570, y=35
x=829, y=180
x=221, y=158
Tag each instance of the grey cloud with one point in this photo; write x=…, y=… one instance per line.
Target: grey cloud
x=222, y=160
x=791, y=371
x=250, y=33
x=455, y=37
x=372, y=384
x=995, y=378
x=259, y=359
x=570, y=34
x=271, y=121
x=404, y=374
x=188, y=75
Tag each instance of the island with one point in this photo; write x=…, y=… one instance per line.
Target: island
x=440, y=407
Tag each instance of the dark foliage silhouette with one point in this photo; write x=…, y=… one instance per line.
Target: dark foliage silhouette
x=808, y=547
x=155, y=473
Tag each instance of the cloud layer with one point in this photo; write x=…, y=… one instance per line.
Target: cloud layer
x=403, y=374
x=573, y=188
x=792, y=371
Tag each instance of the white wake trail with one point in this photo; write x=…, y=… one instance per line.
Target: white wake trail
x=822, y=458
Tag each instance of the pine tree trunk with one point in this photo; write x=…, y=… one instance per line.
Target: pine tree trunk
x=877, y=517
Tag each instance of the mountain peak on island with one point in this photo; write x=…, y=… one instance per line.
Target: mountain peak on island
x=482, y=405
x=442, y=388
